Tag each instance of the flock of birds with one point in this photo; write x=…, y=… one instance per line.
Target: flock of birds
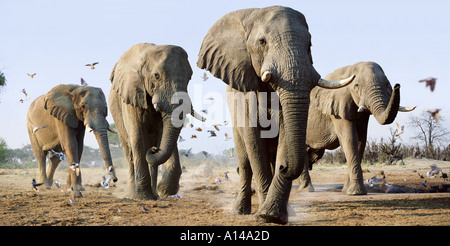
x=433, y=173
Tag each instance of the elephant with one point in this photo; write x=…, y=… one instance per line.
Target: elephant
x=340, y=117
x=265, y=51
x=56, y=124
x=144, y=84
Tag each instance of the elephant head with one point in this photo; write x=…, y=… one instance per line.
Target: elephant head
x=82, y=107
x=249, y=47
x=148, y=76
x=370, y=92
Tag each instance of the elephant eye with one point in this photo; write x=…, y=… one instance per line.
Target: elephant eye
x=157, y=76
x=262, y=41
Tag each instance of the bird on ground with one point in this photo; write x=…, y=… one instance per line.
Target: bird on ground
x=204, y=77
x=92, y=65
x=144, y=209
x=420, y=175
x=424, y=184
x=72, y=201
x=58, y=185
x=181, y=139
x=400, y=129
x=83, y=83
x=226, y=176
x=375, y=180
x=435, y=114
x=186, y=153
x=35, y=185
x=430, y=81
x=443, y=175
x=26, y=94
x=31, y=75
x=105, y=182
x=213, y=133
x=119, y=210
x=178, y=196
x=227, y=137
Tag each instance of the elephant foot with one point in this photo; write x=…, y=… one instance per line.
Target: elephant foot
x=356, y=188
x=241, y=208
x=306, y=188
x=166, y=189
x=76, y=194
x=144, y=195
x=273, y=216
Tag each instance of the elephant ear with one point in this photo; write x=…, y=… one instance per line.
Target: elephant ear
x=336, y=102
x=224, y=52
x=58, y=103
x=126, y=78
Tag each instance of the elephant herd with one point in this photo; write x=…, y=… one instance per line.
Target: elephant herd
x=255, y=52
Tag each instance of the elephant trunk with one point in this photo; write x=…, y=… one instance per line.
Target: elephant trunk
x=386, y=111
x=295, y=110
x=102, y=139
x=157, y=156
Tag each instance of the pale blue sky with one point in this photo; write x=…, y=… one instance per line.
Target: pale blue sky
x=55, y=39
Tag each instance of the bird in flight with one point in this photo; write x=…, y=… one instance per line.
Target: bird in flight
x=213, y=133
x=31, y=75
x=92, y=65
x=430, y=81
x=26, y=94
x=35, y=185
x=435, y=114
x=83, y=83
x=205, y=77
x=227, y=137
x=400, y=129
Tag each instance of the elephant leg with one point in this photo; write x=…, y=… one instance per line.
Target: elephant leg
x=139, y=144
x=348, y=139
x=170, y=181
x=54, y=162
x=242, y=204
x=41, y=160
x=304, y=180
x=274, y=208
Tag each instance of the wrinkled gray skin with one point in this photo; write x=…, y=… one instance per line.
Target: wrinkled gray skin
x=144, y=80
x=340, y=117
x=67, y=110
x=240, y=48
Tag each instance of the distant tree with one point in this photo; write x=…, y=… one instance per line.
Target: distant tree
x=113, y=138
x=2, y=79
x=430, y=132
x=4, y=151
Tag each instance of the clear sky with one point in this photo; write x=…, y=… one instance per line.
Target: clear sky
x=55, y=39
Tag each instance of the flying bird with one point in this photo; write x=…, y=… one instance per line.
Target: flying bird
x=420, y=175
x=186, y=153
x=434, y=171
x=60, y=154
x=31, y=75
x=35, y=185
x=424, y=184
x=190, y=125
x=105, y=182
x=204, y=77
x=206, y=154
x=198, y=129
x=400, y=129
x=231, y=153
x=83, y=83
x=92, y=65
x=21, y=100
x=216, y=126
x=194, y=136
x=26, y=94
x=225, y=122
x=227, y=137
x=430, y=81
x=181, y=139
x=205, y=111
x=210, y=98
x=213, y=133
x=435, y=114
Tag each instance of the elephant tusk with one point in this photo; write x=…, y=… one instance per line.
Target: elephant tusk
x=157, y=109
x=361, y=109
x=197, y=115
x=266, y=76
x=406, y=109
x=88, y=128
x=113, y=130
x=335, y=84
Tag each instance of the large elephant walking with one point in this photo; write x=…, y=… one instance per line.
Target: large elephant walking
x=340, y=118
x=143, y=101
x=256, y=51
x=56, y=122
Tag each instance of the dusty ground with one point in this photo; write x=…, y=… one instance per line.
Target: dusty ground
x=205, y=202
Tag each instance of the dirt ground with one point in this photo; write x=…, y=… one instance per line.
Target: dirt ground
x=204, y=202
